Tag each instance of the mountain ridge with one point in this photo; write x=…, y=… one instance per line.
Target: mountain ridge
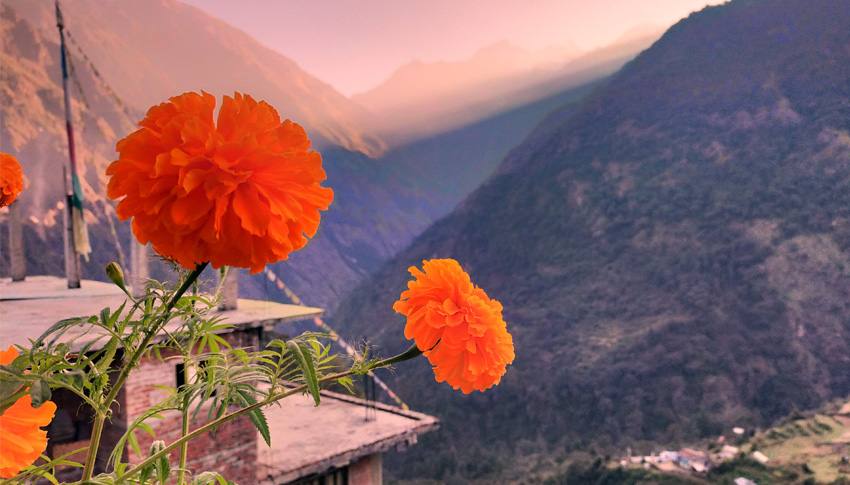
x=421, y=99
x=672, y=257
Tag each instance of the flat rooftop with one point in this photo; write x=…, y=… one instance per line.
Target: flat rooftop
x=307, y=439
x=30, y=307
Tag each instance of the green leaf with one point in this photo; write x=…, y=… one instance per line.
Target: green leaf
x=305, y=360
x=134, y=443
x=104, y=317
x=109, y=351
x=145, y=474
x=114, y=318
x=107, y=355
x=32, y=469
x=162, y=466
x=259, y=420
x=257, y=417
x=59, y=326
x=347, y=383
x=11, y=390
x=39, y=393
x=148, y=428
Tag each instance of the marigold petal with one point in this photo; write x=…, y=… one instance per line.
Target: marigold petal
x=11, y=179
x=460, y=329
x=244, y=190
x=9, y=355
x=21, y=438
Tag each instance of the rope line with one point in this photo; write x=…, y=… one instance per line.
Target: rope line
x=111, y=92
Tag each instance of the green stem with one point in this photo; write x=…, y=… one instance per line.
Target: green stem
x=94, y=443
x=410, y=353
x=184, y=447
x=184, y=412
x=100, y=419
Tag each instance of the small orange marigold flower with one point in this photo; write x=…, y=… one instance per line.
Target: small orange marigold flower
x=458, y=327
x=242, y=191
x=11, y=179
x=22, y=440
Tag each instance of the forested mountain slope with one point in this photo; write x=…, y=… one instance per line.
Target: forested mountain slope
x=673, y=258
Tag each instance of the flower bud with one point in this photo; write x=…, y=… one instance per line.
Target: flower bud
x=116, y=275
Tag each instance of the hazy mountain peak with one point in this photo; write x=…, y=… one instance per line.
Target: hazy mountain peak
x=421, y=80
x=424, y=98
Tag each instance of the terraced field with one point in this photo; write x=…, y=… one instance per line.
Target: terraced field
x=819, y=444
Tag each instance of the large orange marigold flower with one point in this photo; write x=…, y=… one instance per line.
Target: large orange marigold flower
x=22, y=440
x=243, y=191
x=458, y=327
x=11, y=179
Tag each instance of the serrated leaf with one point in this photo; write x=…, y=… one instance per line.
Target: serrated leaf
x=257, y=417
x=305, y=361
x=104, y=317
x=148, y=428
x=109, y=351
x=347, y=383
x=145, y=474
x=161, y=465
x=61, y=325
x=134, y=444
x=114, y=317
x=163, y=469
x=41, y=474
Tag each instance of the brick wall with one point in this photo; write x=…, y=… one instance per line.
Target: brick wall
x=232, y=450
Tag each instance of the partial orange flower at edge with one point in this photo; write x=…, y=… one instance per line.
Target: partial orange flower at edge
x=11, y=179
x=22, y=440
x=459, y=328
x=243, y=191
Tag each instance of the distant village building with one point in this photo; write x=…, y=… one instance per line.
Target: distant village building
x=696, y=460
x=728, y=452
x=760, y=457
x=340, y=442
x=668, y=456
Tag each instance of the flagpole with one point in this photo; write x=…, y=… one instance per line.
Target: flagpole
x=72, y=258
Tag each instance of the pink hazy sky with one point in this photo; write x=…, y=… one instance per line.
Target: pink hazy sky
x=356, y=44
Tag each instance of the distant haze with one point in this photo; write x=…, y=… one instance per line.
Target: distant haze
x=356, y=44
